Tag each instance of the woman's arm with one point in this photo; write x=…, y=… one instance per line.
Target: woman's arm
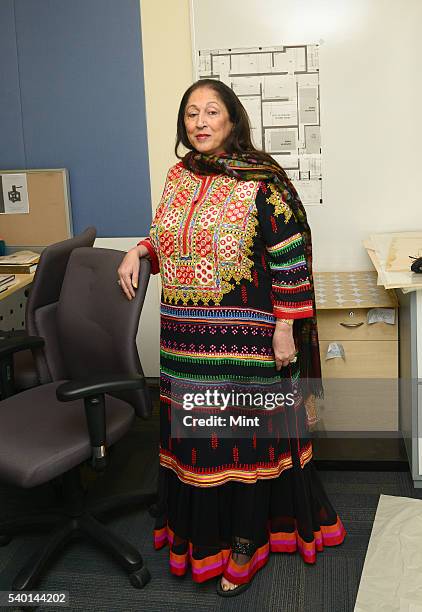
x=291, y=289
x=128, y=270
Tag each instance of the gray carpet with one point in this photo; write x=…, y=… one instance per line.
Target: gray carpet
x=96, y=583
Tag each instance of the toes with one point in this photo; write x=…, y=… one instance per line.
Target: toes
x=227, y=586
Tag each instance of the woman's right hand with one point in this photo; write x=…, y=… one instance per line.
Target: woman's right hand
x=128, y=270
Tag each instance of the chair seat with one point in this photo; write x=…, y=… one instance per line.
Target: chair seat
x=33, y=452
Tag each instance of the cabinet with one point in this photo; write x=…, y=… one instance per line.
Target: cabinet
x=410, y=417
x=361, y=384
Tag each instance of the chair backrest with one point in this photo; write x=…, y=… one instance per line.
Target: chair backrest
x=44, y=295
x=97, y=325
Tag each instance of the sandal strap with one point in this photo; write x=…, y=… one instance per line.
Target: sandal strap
x=244, y=548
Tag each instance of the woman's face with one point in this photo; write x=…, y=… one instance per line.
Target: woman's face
x=207, y=121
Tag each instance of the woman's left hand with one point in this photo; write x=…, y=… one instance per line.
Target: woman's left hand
x=283, y=346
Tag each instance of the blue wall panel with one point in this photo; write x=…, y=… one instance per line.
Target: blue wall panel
x=12, y=152
x=83, y=106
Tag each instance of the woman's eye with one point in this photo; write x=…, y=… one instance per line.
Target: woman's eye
x=191, y=115
x=212, y=112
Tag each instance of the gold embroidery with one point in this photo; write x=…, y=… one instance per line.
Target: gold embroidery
x=280, y=206
x=204, y=246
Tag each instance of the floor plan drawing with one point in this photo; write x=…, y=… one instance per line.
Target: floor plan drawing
x=279, y=88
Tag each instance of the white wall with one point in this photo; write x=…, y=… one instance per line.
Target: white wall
x=370, y=91
x=167, y=55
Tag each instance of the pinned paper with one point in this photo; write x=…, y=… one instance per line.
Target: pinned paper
x=381, y=315
x=13, y=194
x=335, y=349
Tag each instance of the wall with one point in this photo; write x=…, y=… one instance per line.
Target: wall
x=167, y=53
x=370, y=90
x=72, y=95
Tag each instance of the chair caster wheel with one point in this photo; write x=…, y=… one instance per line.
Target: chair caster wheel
x=140, y=578
x=5, y=539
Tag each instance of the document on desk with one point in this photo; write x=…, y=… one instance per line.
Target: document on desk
x=378, y=249
x=13, y=194
x=401, y=248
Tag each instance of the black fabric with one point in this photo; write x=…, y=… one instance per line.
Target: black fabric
x=211, y=517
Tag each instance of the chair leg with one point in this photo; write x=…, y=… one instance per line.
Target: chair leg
x=126, y=500
x=124, y=553
x=17, y=525
x=31, y=572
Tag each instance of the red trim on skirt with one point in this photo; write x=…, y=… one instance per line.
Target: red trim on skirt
x=223, y=563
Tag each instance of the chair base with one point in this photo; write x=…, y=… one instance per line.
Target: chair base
x=77, y=521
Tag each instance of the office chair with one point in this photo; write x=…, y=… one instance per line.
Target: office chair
x=27, y=368
x=97, y=385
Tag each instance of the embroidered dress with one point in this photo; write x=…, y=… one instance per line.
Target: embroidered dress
x=231, y=258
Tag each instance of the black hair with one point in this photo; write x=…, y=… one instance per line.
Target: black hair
x=239, y=139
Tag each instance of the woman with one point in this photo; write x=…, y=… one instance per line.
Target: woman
x=232, y=244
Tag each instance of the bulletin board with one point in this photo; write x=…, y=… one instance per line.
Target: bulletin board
x=48, y=219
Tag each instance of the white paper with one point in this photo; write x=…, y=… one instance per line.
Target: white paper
x=313, y=57
x=279, y=86
x=15, y=194
x=310, y=191
x=287, y=161
x=247, y=85
x=308, y=105
x=279, y=113
x=391, y=575
x=251, y=63
x=281, y=140
x=381, y=315
x=312, y=134
x=290, y=60
x=252, y=106
x=335, y=350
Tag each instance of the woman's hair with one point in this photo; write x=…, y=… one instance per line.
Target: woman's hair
x=239, y=139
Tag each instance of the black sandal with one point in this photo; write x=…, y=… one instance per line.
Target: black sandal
x=243, y=548
x=232, y=592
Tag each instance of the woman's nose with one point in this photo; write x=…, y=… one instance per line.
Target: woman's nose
x=200, y=120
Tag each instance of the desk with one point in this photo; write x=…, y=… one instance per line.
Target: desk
x=12, y=303
x=361, y=388
x=21, y=281
x=409, y=295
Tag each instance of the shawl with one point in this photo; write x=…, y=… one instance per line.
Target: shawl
x=248, y=167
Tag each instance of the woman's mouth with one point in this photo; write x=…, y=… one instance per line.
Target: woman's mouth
x=202, y=137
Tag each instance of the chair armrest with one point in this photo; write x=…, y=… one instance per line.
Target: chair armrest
x=12, y=344
x=80, y=389
x=92, y=391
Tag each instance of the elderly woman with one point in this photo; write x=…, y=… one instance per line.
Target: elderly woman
x=232, y=244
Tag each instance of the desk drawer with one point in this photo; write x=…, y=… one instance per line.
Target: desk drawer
x=334, y=325
x=363, y=359
x=358, y=405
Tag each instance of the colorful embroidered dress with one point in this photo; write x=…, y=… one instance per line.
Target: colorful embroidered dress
x=231, y=258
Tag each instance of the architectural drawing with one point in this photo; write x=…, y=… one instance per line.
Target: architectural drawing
x=279, y=88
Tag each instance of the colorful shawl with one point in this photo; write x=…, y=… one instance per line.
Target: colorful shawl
x=247, y=167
